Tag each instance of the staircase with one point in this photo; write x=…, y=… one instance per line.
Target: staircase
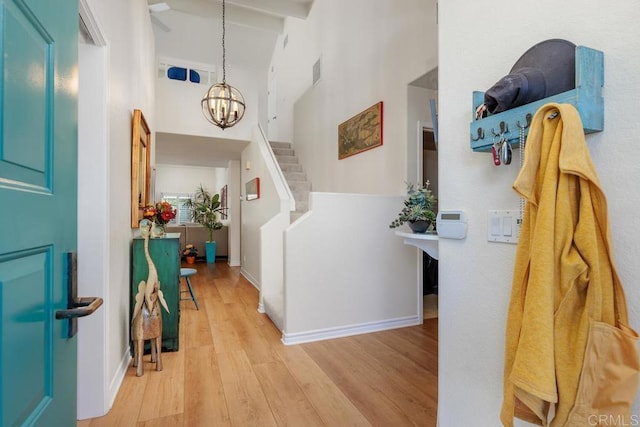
x=296, y=178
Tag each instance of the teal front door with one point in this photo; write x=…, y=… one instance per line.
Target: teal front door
x=38, y=170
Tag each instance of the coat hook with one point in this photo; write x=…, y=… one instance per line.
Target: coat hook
x=480, y=135
x=504, y=129
x=528, y=119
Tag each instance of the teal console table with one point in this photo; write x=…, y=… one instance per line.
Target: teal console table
x=165, y=253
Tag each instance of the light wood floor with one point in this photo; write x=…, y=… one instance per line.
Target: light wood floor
x=233, y=370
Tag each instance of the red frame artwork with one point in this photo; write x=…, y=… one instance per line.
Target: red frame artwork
x=253, y=189
x=360, y=133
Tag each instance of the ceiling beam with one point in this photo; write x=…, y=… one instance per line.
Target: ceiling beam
x=282, y=8
x=254, y=19
x=238, y=15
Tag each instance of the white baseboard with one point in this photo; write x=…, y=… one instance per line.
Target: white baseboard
x=117, y=379
x=344, y=331
x=250, y=278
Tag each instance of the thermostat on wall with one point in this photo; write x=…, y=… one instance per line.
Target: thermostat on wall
x=451, y=224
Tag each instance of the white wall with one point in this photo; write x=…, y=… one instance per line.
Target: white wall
x=222, y=178
x=93, y=262
x=234, y=213
x=187, y=179
x=475, y=276
x=178, y=109
x=271, y=247
x=130, y=84
x=199, y=38
x=370, y=51
x=255, y=213
x=346, y=272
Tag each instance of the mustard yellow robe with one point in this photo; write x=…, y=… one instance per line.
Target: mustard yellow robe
x=564, y=273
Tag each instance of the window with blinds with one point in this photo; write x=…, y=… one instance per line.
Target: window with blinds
x=179, y=201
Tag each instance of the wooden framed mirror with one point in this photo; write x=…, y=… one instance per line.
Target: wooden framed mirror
x=140, y=167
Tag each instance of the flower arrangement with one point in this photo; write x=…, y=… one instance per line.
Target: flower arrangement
x=419, y=206
x=190, y=250
x=160, y=213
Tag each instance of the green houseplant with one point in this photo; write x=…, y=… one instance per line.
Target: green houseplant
x=419, y=209
x=204, y=208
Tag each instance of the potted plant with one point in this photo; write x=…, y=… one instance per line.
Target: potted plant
x=205, y=208
x=190, y=253
x=419, y=210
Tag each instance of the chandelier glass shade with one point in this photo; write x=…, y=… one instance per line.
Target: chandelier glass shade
x=223, y=105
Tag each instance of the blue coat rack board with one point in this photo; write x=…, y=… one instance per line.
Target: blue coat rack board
x=586, y=97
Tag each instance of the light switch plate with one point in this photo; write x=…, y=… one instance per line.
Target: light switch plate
x=503, y=226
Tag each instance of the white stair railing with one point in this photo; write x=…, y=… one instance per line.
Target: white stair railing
x=271, y=236
x=274, y=168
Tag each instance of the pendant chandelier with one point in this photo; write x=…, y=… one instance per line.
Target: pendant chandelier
x=223, y=104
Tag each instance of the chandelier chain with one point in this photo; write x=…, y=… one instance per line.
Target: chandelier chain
x=224, y=59
x=222, y=104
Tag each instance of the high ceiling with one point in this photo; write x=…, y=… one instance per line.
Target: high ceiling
x=252, y=27
x=266, y=15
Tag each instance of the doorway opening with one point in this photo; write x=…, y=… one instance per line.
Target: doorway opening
x=93, y=190
x=422, y=167
x=429, y=264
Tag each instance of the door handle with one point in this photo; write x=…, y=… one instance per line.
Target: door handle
x=82, y=306
x=76, y=306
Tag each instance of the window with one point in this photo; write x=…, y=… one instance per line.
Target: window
x=194, y=76
x=177, y=73
x=179, y=201
x=168, y=69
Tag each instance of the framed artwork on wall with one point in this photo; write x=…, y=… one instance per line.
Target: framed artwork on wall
x=224, y=213
x=140, y=167
x=253, y=189
x=361, y=132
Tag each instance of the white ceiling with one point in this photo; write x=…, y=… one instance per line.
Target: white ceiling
x=189, y=150
x=267, y=15
x=252, y=27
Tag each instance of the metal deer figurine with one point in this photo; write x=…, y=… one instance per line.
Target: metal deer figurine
x=147, y=316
